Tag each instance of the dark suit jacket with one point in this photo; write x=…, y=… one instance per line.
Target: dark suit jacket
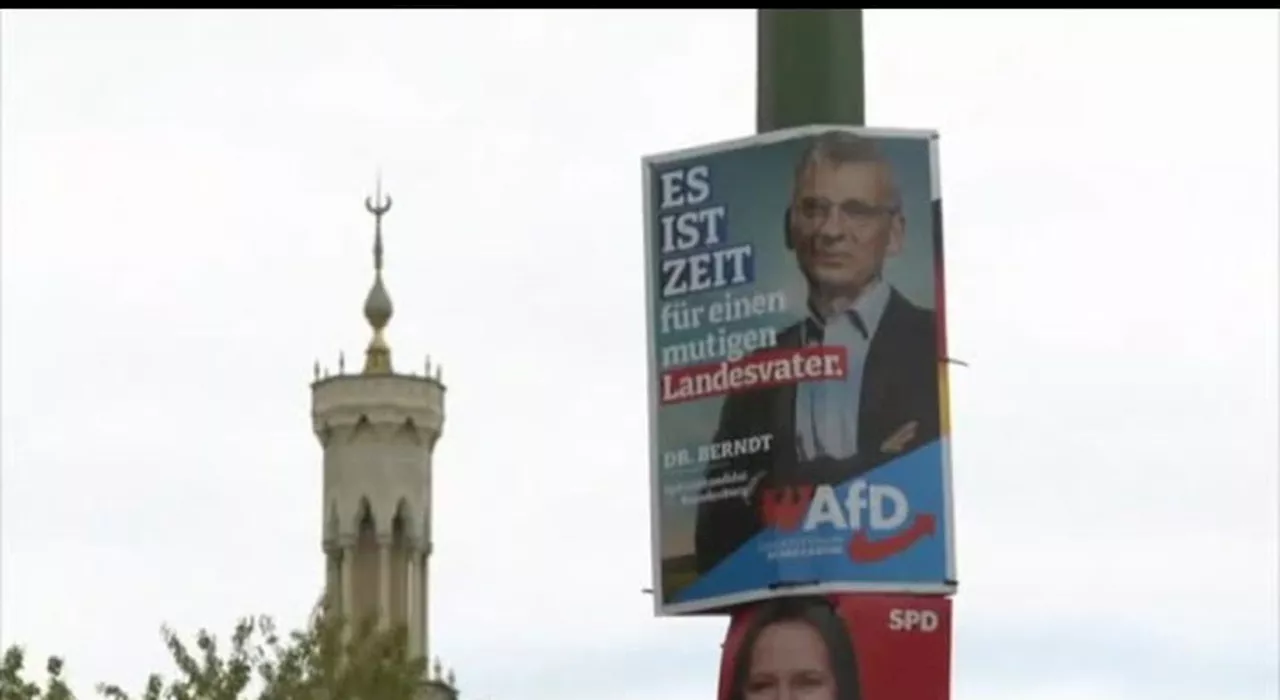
x=899, y=385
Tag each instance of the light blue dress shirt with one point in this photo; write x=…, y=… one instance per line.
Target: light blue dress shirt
x=827, y=411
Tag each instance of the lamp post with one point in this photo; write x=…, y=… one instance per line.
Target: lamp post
x=809, y=68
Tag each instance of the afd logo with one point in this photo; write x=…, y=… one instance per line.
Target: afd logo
x=886, y=510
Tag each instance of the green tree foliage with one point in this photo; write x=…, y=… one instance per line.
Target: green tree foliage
x=328, y=660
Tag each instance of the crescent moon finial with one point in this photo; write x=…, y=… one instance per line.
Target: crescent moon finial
x=377, y=306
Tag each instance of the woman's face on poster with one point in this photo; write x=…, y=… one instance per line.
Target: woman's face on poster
x=790, y=662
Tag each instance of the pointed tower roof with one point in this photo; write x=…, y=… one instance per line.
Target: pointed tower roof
x=377, y=305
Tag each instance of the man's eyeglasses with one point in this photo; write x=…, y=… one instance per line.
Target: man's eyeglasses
x=854, y=209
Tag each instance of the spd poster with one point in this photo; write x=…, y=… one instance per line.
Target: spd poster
x=797, y=374
x=856, y=647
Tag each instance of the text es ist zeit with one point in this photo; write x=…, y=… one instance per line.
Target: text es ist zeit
x=696, y=254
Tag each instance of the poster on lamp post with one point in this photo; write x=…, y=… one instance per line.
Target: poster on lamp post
x=797, y=377
x=853, y=647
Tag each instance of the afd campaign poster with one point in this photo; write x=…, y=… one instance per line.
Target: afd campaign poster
x=797, y=374
x=854, y=647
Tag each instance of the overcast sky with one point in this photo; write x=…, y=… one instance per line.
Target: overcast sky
x=183, y=235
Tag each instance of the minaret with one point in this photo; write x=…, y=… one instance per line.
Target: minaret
x=378, y=429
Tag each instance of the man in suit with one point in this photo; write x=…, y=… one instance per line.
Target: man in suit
x=844, y=220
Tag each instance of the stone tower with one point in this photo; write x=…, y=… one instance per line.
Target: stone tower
x=378, y=428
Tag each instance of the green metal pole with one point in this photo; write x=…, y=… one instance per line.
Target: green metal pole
x=809, y=68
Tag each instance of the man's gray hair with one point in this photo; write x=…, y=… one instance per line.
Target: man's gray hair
x=840, y=148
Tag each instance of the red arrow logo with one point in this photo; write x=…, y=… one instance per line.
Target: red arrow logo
x=863, y=550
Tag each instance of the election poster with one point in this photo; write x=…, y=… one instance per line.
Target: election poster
x=797, y=373
x=853, y=647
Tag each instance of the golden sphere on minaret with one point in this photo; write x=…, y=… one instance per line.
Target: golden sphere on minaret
x=377, y=306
